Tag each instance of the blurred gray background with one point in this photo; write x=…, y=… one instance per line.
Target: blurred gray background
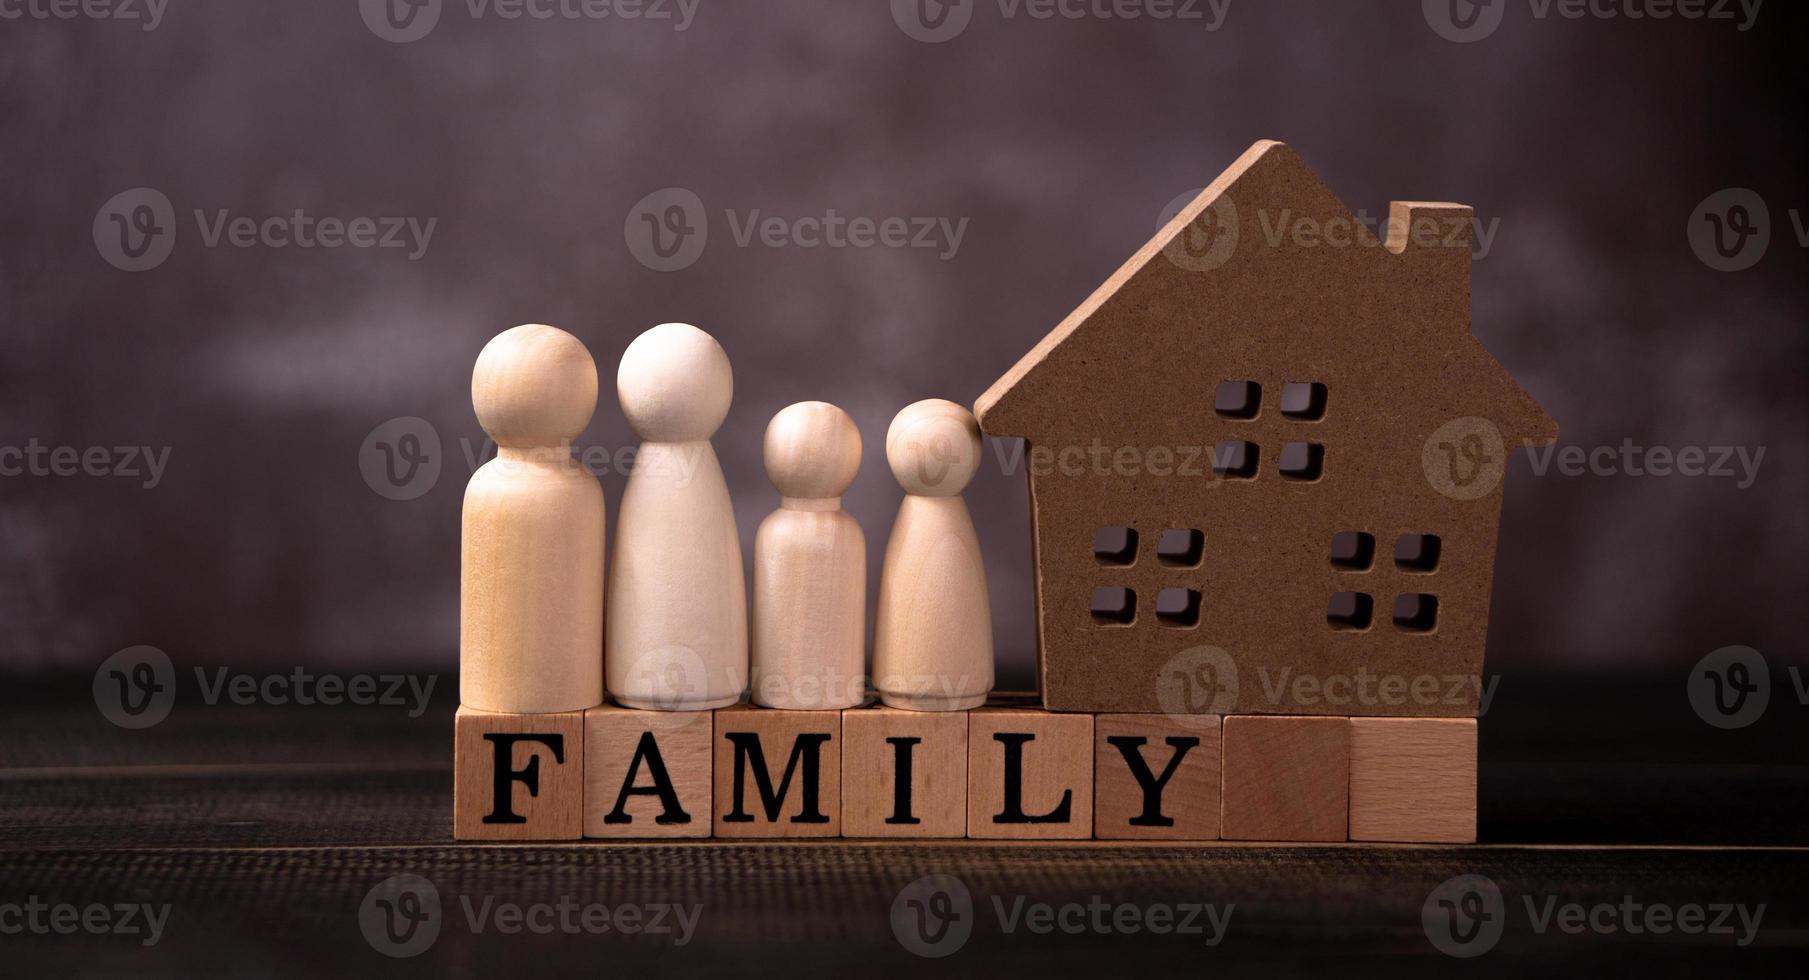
x=531, y=144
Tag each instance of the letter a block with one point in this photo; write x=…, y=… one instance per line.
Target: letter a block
x=646, y=773
x=516, y=776
x=1413, y=780
x=904, y=773
x=1029, y=774
x=778, y=773
x=1287, y=778
x=1156, y=777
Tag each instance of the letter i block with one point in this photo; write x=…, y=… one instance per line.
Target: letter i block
x=1287, y=778
x=646, y=773
x=778, y=773
x=1413, y=780
x=904, y=773
x=516, y=776
x=1156, y=777
x=1029, y=774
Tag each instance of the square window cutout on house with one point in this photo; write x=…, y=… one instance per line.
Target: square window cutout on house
x=1178, y=608
x=1416, y=612
x=1350, y=611
x=1182, y=547
x=1235, y=460
x=1303, y=401
x=1353, y=551
x=1416, y=552
x=1302, y=460
x=1115, y=545
x=1238, y=399
x=1114, y=606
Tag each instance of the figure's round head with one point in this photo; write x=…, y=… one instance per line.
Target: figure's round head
x=933, y=447
x=675, y=384
x=534, y=385
x=813, y=450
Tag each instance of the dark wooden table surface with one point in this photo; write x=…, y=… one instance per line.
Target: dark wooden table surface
x=264, y=829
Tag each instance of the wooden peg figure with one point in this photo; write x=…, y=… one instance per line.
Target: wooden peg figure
x=677, y=599
x=932, y=643
x=531, y=562
x=810, y=567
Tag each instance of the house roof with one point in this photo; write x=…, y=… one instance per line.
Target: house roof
x=1270, y=178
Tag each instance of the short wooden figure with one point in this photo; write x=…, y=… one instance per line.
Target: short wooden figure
x=1284, y=444
x=778, y=773
x=810, y=567
x=517, y=776
x=677, y=600
x=1413, y=780
x=1287, y=778
x=1029, y=774
x=904, y=773
x=647, y=773
x=932, y=639
x=531, y=562
x=1156, y=777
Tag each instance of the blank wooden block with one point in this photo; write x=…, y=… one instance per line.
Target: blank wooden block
x=778, y=773
x=930, y=747
x=1029, y=774
x=1167, y=786
x=1413, y=779
x=647, y=773
x=1287, y=778
x=516, y=776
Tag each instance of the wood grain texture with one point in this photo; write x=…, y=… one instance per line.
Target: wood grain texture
x=1413, y=780
x=677, y=637
x=532, y=537
x=1287, y=778
x=545, y=798
x=647, y=750
x=937, y=791
x=1188, y=797
x=1267, y=278
x=810, y=567
x=932, y=634
x=1029, y=775
x=784, y=780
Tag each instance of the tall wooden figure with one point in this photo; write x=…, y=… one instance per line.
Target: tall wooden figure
x=810, y=567
x=932, y=643
x=677, y=599
x=531, y=563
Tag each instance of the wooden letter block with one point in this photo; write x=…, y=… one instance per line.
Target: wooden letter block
x=1029, y=774
x=778, y=773
x=1156, y=777
x=1413, y=780
x=646, y=773
x=904, y=773
x=1287, y=778
x=517, y=777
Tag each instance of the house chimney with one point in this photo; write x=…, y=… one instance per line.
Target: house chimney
x=1433, y=229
